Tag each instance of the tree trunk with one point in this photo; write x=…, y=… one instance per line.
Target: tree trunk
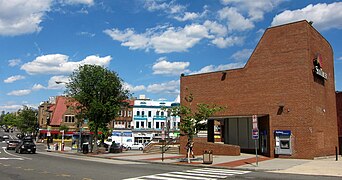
x=95, y=134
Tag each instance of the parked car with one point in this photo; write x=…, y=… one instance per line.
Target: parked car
x=115, y=148
x=5, y=137
x=136, y=146
x=12, y=144
x=26, y=145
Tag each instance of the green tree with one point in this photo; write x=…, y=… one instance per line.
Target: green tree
x=100, y=95
x=193, y=120
x=9, y=120
x=27, y=120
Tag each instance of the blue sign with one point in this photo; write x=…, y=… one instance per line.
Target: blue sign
x=282, y=132
x=255, y=133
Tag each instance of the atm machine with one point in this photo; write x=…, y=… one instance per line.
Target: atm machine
x=283, y=144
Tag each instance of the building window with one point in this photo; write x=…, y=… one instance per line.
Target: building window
x=157, y=113
x=142, y=124
x=162, y=113
x=69, y=118
x=138, y=113
x=129, y=113
x=142, y=113
x=157, y=125
x=149, y=113
x=137, y=124
x=149, y=124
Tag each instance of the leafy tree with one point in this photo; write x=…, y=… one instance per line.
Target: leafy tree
x=192, y=121
x=27, y=120
x=64, y=127
x=100, y=94
x=8, y=120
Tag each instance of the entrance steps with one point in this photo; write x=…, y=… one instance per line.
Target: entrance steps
x=171, y=149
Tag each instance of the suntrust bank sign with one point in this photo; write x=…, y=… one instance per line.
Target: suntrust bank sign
x=318, y=67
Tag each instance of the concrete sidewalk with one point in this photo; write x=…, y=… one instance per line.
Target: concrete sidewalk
x=326, y=166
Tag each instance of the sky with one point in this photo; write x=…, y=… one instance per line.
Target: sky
x=149, y=43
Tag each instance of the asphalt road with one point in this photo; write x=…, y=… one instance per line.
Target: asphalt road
x=49, y=165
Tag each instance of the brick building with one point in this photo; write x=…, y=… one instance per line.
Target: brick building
x=288, y=83
x=339, y=117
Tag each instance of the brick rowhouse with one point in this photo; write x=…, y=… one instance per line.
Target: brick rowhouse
x=288, y=82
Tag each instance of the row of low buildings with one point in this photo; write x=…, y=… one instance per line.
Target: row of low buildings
x=143, y=119
x=282, y=102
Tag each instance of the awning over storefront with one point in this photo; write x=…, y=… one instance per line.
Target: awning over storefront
x=44, y=131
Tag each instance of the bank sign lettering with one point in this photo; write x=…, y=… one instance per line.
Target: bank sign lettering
x=318, y=67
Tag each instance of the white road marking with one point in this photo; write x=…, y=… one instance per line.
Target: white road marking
x=202, y=173
x=4, y=158
x=4, y=148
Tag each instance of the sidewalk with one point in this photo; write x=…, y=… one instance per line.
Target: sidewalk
x=327, y=166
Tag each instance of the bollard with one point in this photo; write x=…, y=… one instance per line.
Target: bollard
x=336, y=151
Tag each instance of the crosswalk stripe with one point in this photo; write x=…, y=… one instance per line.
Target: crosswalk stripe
x=198, y=174
x=202, y=173
x=215, y=173
x=220, y=170
x=189, y=176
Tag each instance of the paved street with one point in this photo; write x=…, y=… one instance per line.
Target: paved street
x=51, y=165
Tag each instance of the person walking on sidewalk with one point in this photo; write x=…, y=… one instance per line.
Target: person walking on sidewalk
x=189, y=147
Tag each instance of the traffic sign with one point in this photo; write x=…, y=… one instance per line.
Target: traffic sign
x=255, y=121
x=255, y=133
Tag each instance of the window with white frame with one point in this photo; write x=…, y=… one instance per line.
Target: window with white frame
x=69, y=118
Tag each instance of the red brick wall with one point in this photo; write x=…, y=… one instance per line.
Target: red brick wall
x=279, y=72
x=339, y=112
x=201, y=145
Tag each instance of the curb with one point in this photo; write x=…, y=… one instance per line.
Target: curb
x=163, y=163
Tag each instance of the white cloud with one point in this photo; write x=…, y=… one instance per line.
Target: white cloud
x=14, y=78
x=235, y=20
x=14, y=62
x=222, y=42
x=212, y=68
x=179, y=40
x=340, y=58
x=86, y=34
x=255, y=9
x=171, y=87
x=164, y=67
x=324, y=16
x=19, y=92
x=59, y=64
x=37, y=87
x=132, y=88
x=74, y=2
x=129, y=38
x=53, y=85
x=19, y=17
x=187, y=16
x=10, y=107
x=170, y=8
x=216, y=28
x=243, y=55
x=170, y=40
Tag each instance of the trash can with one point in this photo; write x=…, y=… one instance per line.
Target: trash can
x=85, y=148
x=56, y=146
x=208, y=157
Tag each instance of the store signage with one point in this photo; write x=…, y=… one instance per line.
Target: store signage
x=255, y=134
x=282, y=132
x=318, y=67
x=255, y=121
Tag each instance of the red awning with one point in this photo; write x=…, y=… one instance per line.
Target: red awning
x=44, y=131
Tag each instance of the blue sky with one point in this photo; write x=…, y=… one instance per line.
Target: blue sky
x=149, y=43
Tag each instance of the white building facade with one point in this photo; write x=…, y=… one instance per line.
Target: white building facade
x=151, y=120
